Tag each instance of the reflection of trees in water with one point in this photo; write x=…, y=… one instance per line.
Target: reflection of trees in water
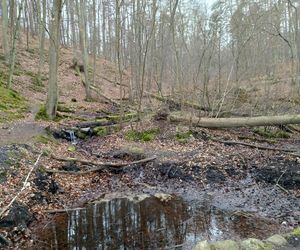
x=147, y=224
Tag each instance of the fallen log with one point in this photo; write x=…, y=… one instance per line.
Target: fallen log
x=238, y=121
x=100, y=165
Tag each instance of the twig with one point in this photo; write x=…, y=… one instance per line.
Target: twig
x=290, y=151
x=277, y=182
x=25, y=185
x=64, y=210
x=282, y=188
x=100, y=165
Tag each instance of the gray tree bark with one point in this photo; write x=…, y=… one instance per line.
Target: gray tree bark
x=238, y=122
x=52, y=97
x=5, y=30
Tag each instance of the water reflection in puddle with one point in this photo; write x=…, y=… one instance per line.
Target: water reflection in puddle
x=149, y=223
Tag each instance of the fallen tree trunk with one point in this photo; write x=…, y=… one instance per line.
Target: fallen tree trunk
x=239, y=121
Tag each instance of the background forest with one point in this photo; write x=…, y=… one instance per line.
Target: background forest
x=215, y=57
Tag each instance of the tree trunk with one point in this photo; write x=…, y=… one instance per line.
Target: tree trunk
x=12, y=59
x=4, y=30
x=238, y=122
x=82, y=33
x=52, y=96
x=42, y=25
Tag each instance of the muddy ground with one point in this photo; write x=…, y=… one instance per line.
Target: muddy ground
x=264, y=183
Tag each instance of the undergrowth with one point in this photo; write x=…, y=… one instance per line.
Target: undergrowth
x=271, y=133
x=12, y=105
x=184, y=137
x=144, y=136
x=42, y=114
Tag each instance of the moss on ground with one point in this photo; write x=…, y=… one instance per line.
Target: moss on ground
x=12, y=105
x=124, y=117
x=45, y=139
x=184, y=136
x=296, y=232
x=64, y=108
x=271, y=133
x=144, y=136
x=42, y=114
x=101, y=131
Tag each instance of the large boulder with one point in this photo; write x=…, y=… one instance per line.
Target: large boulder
x=277, y=240
x=226, y=245
x=254, y=244
x=203, y=245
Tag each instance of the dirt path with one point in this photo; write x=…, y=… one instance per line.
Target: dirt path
x=22, y=131
x=19, y=132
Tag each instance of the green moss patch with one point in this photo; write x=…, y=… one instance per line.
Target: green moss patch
x=124, y=117
x=64, y=108
x=296, y=232
x=271, y=133
x=184, y=137
x=145, y=136
x=101, y=131
x=42, y=114
x=12, y=105
x=45, y=139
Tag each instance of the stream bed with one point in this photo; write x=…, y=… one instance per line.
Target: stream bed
x=159, y=221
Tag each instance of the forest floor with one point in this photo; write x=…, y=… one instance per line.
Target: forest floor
x=188, y=162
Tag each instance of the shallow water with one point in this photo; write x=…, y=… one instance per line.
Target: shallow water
x=149, y=223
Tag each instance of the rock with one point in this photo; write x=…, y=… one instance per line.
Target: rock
x=86, y=130
x=72, y=148
x=226, y=245
x=69, y=135
x=18, y=216
x=203, y=245
x=277, y=240
x=294, y=240
x=254, y=244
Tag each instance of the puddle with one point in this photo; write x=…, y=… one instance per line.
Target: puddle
x=149, y=222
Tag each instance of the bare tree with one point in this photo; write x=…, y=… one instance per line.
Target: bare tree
x=52, y=96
